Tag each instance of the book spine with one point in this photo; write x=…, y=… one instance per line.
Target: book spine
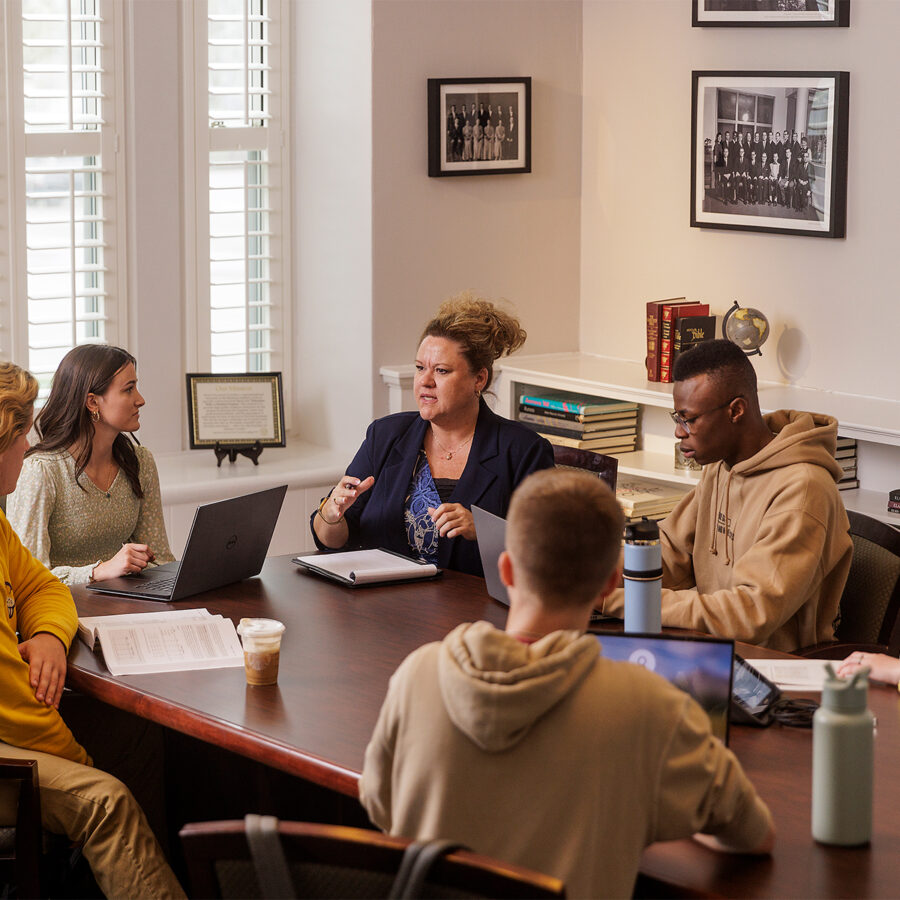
x=555, y=414
x=602, y=445
x=654, y=311
x=579, y=433
x=540, y=412
x=665, y=343
x=566, y=406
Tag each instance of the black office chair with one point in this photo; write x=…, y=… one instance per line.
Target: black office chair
x=21, y=837
x=870, y=605
x=334, y=861
x=606, y=467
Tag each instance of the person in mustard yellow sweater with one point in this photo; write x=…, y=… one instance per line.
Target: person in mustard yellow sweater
x=87, y=805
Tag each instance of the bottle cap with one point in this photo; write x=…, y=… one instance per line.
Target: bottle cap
x=846, y=695
x=645, y=530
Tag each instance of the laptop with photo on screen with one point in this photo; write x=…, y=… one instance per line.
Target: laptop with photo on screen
x=700, y=666
x=228, y=542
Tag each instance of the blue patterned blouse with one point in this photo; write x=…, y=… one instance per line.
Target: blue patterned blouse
x=421, y=532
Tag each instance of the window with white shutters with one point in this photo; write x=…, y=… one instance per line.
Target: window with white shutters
x=63, y=87
x=241, y=182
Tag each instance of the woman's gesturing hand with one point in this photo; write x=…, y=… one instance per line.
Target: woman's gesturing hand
x=346, y=492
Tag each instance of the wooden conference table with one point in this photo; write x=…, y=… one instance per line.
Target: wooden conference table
x=340, y=648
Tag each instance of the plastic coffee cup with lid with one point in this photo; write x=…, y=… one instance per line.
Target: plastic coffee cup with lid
x=262, y=647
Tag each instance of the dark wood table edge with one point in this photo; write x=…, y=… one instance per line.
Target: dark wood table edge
x=218, y=732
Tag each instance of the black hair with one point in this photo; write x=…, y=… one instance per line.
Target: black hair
x=720, y=359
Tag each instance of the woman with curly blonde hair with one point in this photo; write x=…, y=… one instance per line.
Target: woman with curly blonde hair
x=411, y=485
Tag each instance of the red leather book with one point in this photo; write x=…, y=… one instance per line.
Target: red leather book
x=654, y=318
x=671, y=313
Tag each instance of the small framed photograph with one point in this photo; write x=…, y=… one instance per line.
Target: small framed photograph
x=479, y=126
x=235, y=410
x=769, y=151
x=777, y=13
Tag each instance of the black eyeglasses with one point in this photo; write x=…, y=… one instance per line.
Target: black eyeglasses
x=686, y=423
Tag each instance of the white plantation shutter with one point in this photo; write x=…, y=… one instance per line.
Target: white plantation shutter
x=64, y=89
x=241, y=231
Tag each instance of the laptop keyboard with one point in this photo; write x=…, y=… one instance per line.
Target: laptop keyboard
x=162, y=585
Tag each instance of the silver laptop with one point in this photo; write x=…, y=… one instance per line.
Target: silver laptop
x=228, y=542
x=491, y=533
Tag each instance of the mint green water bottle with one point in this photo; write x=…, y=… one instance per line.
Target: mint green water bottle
x=843, y=758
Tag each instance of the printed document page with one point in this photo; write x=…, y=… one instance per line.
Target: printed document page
x=793, y=674
x=167, y=642
x=87, y=625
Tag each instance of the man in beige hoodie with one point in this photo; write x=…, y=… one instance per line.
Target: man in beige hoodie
x=759, y=551
x=527, y=745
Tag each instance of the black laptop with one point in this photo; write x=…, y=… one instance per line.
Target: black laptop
x=228, y=542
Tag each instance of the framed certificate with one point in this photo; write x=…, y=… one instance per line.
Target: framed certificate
x=235, y=410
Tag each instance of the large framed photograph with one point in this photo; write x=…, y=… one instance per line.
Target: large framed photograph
x=479, y=126
x=775, y=13
x=769, y=151
x=235, y=410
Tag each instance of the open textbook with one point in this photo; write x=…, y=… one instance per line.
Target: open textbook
x=168, y=641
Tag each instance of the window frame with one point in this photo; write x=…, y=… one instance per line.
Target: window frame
x=199, y=141
x=16, y=146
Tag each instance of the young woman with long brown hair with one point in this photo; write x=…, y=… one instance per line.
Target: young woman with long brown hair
x=88, y=503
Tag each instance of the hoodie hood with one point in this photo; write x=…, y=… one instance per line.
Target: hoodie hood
x=800, y=437
x=495, y=688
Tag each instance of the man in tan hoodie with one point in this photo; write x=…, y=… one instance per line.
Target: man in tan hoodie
x=527, y=745
x=759, y=551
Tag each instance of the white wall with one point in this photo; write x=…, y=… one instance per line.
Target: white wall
x=512, y=236
x=332, y=318
x=156, y=240
x=832, y=303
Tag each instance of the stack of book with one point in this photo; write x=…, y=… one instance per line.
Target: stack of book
x=845, y=454
x=640, y=497
x=894, y=501
x=586, y=423
x=674, y=326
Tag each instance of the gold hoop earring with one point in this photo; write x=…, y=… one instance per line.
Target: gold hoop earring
x=95, y=415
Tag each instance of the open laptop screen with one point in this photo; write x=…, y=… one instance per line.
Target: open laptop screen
x=701, y=666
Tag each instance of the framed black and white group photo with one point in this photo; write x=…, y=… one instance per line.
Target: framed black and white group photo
x=771, y=12
x=769, y=151
x=479, y=126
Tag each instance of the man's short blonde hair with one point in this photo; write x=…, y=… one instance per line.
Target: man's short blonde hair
x=564, y=532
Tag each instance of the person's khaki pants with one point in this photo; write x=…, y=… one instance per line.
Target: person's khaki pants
x=96, y=810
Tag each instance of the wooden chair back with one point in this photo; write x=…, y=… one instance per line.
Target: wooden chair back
x=335, y=861
x=20, y=826
x=606, y=467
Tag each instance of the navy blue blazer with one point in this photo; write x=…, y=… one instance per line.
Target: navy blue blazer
x=502, y=454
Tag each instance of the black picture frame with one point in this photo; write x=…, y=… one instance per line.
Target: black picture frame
x=451, y=152
x=808, y=198
x=256, y=396
x=769, y=14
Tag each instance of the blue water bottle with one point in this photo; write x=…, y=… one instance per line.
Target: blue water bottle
x=643, y=577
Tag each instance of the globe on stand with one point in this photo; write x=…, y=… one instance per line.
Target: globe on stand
x=746, y=327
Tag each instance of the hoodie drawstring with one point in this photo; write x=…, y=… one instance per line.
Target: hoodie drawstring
x=713, y=544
